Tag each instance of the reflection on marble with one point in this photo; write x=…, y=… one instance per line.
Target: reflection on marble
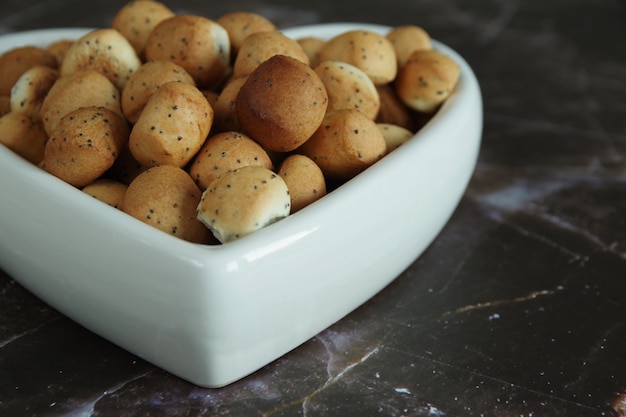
x=517, y=309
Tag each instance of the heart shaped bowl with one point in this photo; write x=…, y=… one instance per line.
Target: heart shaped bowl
x=214, y=314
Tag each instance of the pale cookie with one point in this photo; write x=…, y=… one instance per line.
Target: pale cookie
x=427, y=80
x=304, y=179
x=225, y=152
x=394, y=135
x=348, y=88
x=369, y=51
x=103, y=50
x=166, y=198
x=346, y=143
x=172, y=127
x=32, y=88
x=199, y=45
x=243, y=201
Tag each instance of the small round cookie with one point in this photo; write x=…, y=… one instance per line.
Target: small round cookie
x=304, y=179
x=146, y=80
x=165, y=197
x=31, y=88
x=369, y=51
x=348, y=88
x=81, y=89
x=312, y=46
x=243, y=201
x=85, y=144
x=281, y=103
x=137, y=18
x=346, y=143
x=5, y=105
x=427, y=80
x=16, y=61
x=108, y=191
x=199, y=45
x=241, y=24
x=225, y=152
x=104, y=50
x=394, y=135
x=172, y=127
x=406, y=39
x=225, y=112
x=59, y=49
x=23, y=133
x=392, y=109
x=259, y=47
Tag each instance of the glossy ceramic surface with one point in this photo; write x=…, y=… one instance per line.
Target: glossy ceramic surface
x=212, y=315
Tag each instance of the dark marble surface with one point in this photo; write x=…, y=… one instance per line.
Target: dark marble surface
x=517, y=308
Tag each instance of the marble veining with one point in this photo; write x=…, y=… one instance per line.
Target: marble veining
x=516, y=309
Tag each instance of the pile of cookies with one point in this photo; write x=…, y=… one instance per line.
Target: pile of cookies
x=212, y=129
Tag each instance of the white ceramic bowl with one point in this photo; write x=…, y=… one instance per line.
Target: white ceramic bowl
x=212, y=315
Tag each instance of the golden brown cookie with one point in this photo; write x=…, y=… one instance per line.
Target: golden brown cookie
x=85, y=144
x=174, y=124
x=348, y=88
x=241, y=24
x=223, y=152
x=165, y=197
x=259, y=47
x=312, y=46
x=108, y=191
x=5, y=105
x=16, y=61
x=24, y=134
x=59, y=49
x=406, y=39
x=346, y=143
x=281, y=103
x=304, y=179
x=369, y=51
x=427, y=80
x=81, y=89
x=136, y=19
x=225, y=113
x=145, y=81
x=392, y=109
